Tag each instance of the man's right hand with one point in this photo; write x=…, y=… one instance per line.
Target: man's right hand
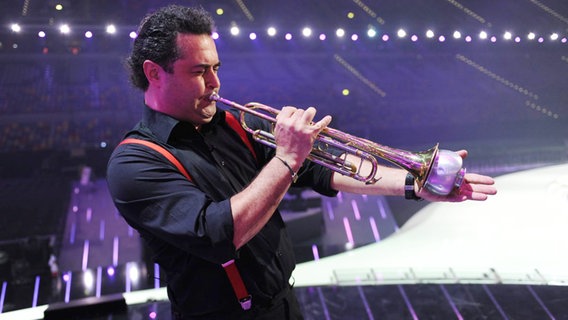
x=295, y=133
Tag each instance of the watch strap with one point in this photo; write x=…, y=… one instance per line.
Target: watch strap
x=409, y=192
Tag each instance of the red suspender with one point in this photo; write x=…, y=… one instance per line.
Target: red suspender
x=244, y=298
x=168, y=155
x=236, y=126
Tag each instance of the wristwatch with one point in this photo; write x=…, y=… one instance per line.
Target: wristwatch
x=409, y=193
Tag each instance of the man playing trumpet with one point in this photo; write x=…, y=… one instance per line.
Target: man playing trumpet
x=216, y=230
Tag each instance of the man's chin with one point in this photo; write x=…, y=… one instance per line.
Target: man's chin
x=209, y=112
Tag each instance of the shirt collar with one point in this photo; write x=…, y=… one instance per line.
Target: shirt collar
x=162, y=125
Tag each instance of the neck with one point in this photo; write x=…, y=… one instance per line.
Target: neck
x=150, y=100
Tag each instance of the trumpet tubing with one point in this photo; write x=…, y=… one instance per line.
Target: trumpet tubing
x=439, y=171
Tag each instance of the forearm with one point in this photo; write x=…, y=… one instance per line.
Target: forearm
x=294, y=135
x=390, y=183
x=253, y=207
x=392, y=180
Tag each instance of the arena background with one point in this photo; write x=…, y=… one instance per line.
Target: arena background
x=489, y=77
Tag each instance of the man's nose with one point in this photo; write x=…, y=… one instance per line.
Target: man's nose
x=213, y=80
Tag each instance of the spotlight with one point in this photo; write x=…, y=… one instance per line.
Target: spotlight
x=457, y=35
x=88, y=280
x=252, y=36
x=441, y=38
x=371, y=33
x=132, y=35
x=414, y=38
x=110, y=29
x=214, y=35
x=288, y=36
x=88, y=34
x=133, y=272
x=306, y=32
x=430, y=34
x=401, y=33
x=220, y=12
x=531, y=36
x=271, y=31
x=483, y=35
x=354, y=37
x=507, y=35
x=15, y=27
x=235, y=30
x=340, y=33
x=322, y=37
x=385, y=37
x=65, y=29
x=554, y=36
x=41, y=34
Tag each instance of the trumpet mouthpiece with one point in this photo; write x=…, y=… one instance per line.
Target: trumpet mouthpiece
x=214, y=96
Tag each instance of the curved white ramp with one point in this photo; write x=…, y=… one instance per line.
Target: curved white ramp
x=518, y=236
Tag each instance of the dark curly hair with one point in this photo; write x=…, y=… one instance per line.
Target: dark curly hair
x=157, y=34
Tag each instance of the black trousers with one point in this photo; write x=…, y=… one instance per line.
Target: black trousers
x=285, y=308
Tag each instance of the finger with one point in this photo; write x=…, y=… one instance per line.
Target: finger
x=476, y=197
x=308, y=115
x=286, y=112
x=483, y=188
x=476, y=191
x=462, y=153
x=463, y=195
x=323, y=123
x=478, y=179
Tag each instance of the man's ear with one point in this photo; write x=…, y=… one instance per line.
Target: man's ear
x=151, y=70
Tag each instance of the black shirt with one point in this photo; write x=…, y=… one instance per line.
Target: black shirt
x=188, y=224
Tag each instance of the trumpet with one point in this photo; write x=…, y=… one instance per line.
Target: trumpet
x=437, y=170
